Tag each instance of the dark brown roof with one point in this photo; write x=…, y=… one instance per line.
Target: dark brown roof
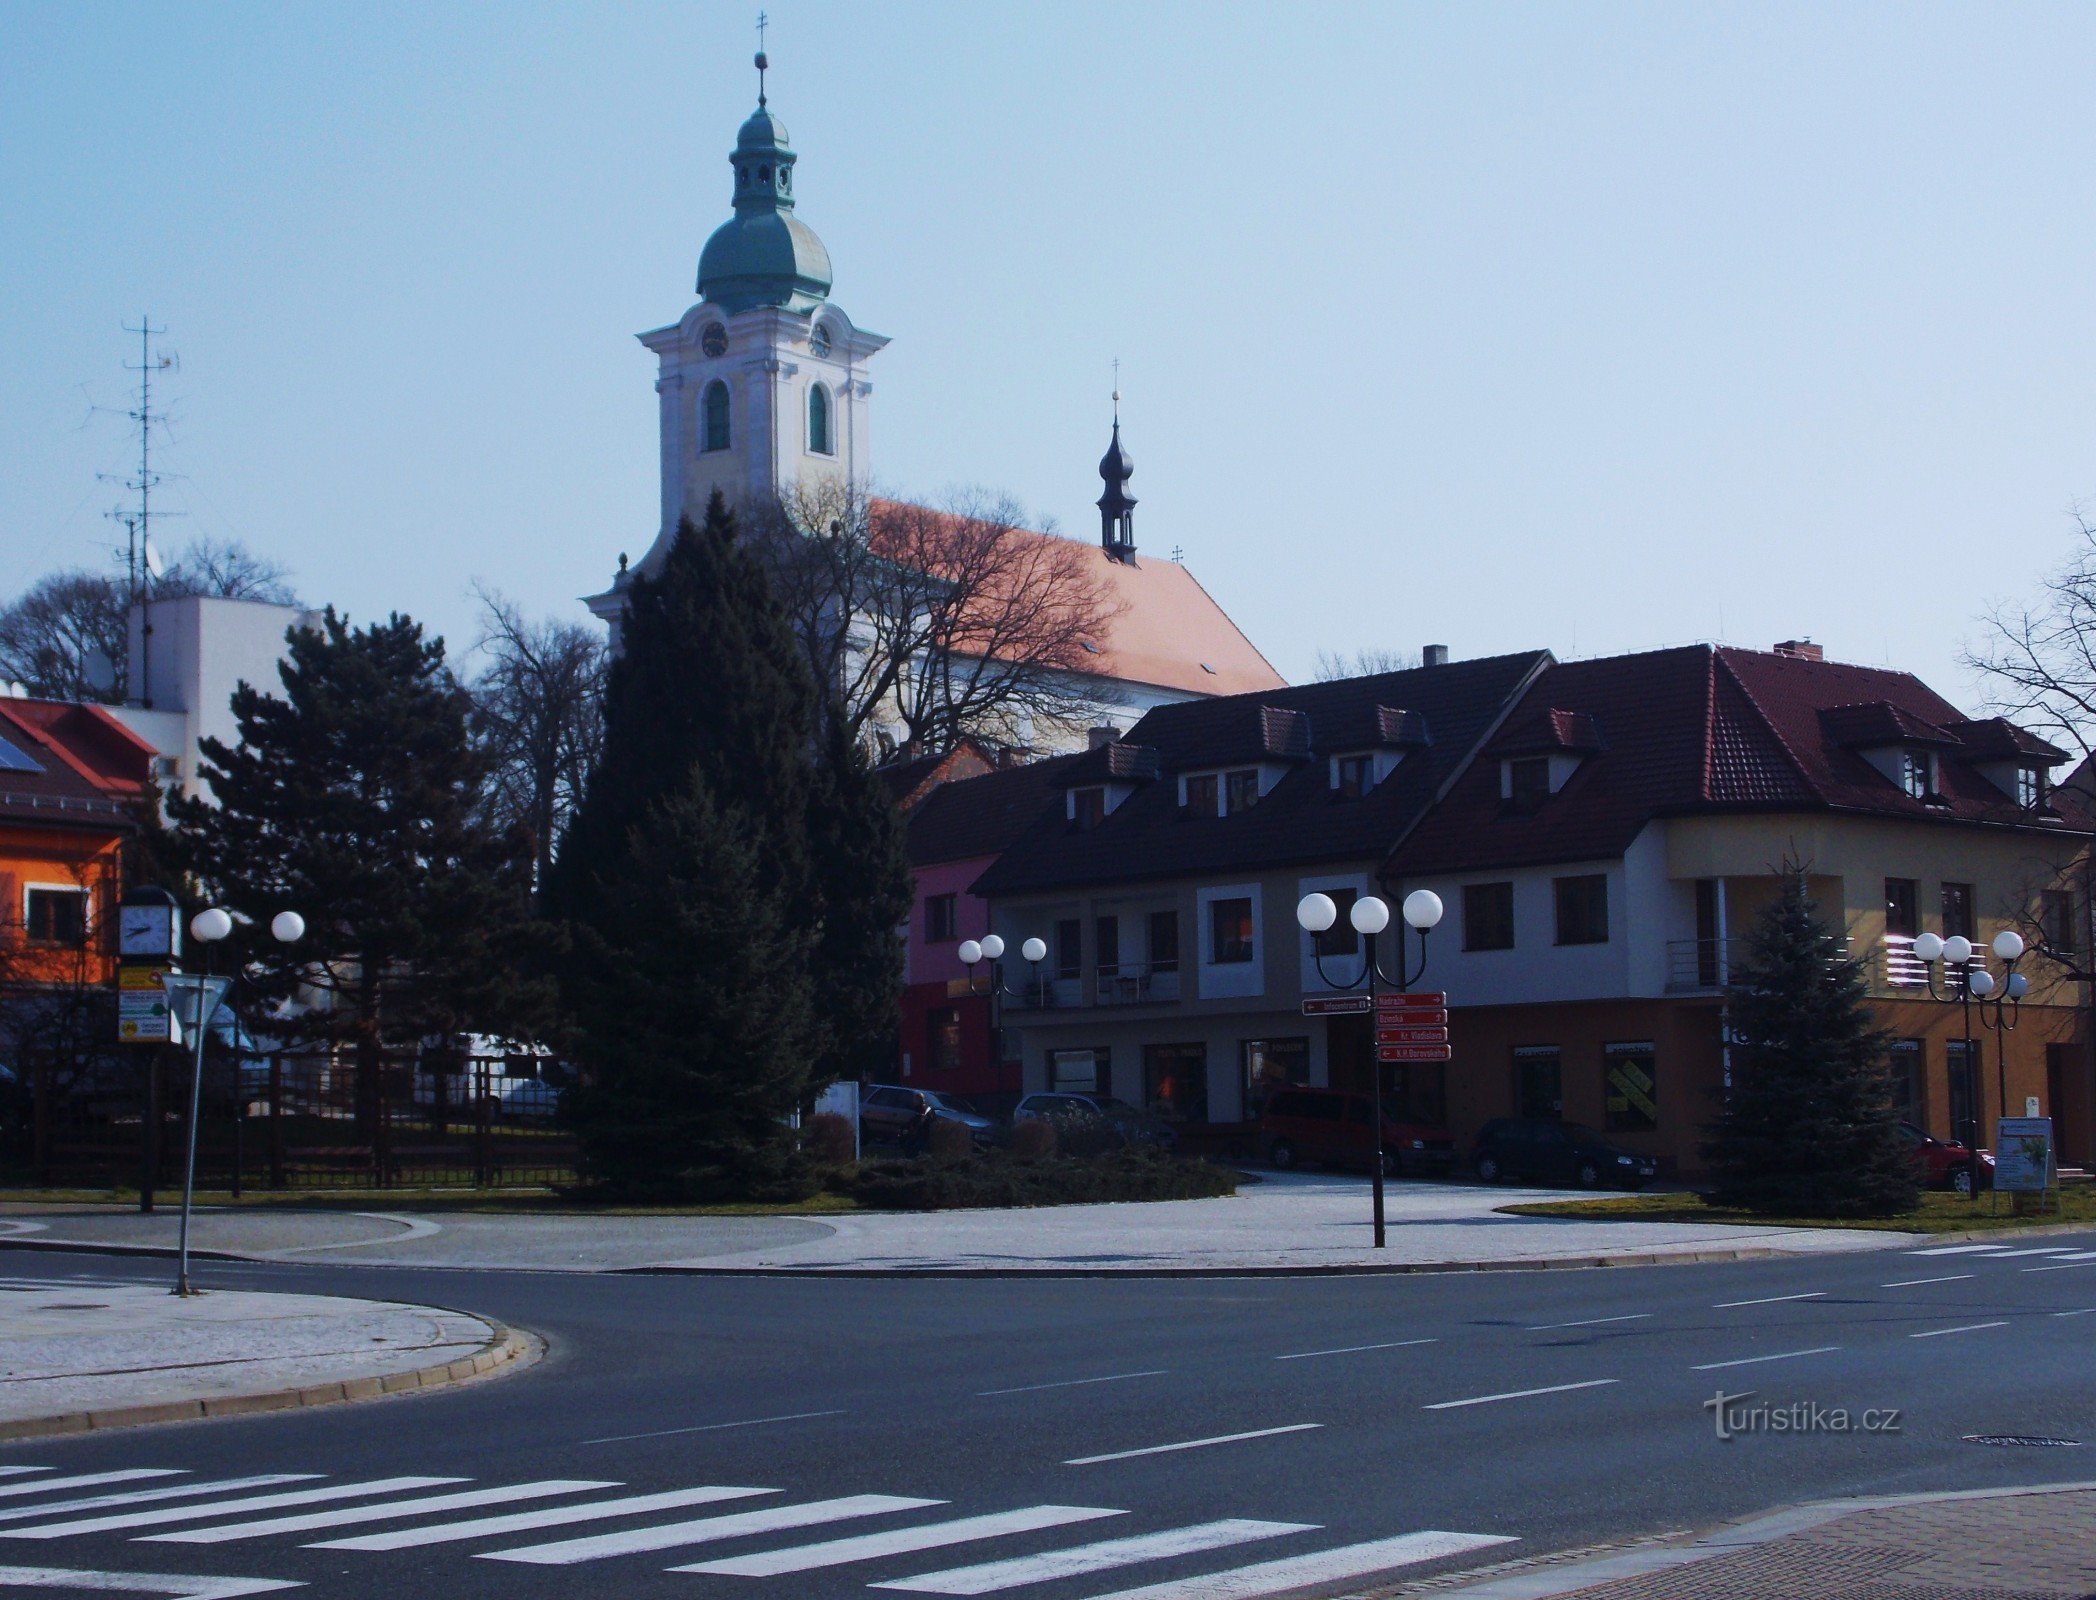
x=1118, y=762
x=972, y=818
x=1552, y=729
x=69, y=765
x=909, y=780
x=1705, y=729
x=1300, y=820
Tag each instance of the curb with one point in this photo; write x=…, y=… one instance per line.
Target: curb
x=505, y=1348
x=1653, y=1258
x=1543, y=1581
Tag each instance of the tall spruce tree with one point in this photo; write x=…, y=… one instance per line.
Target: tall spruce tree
x=351, y=800
x=1807, y=1128
x=687, y=881
x=855, y=839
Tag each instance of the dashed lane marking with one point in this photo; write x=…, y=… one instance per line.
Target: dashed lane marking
x=1191, y=1444
x=1107, y=1554
x=1589, y=1322
x=712, y=1427
x=1517, y=1394
x=1356, y=1349
x=1755, y=1361
x=1969, y=1327
x=1768, y=1300
x=1072, y=1383
x=1915, y=1283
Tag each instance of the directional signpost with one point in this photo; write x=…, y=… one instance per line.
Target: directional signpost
x=1411, y=1027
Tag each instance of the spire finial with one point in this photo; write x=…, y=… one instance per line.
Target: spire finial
x=763, y=22
x=1117, y=391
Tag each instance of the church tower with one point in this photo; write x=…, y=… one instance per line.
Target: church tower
x=762, y=385
x=1117, y=505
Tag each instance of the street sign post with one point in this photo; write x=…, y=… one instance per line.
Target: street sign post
x=1413, y=1052
x=193, y=999
x=1336, y=1005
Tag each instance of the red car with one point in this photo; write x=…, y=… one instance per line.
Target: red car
x=1332, y=1126
x=1946, y=1164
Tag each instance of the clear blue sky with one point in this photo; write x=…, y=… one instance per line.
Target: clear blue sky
x=1595, y=327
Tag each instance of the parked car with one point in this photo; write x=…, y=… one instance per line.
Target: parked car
x=888, y=1111
x=1333, y=1126
x=1947, y=1164
x=1545, y=1151
x=1131, y=1125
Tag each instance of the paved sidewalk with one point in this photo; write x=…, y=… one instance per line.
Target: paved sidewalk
x=84, y=1355
x=1992, y=1544
x=1307, y=1222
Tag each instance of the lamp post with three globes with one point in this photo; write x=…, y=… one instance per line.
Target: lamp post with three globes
x=1955, y=957
x=1369, y=916
x=990, y=948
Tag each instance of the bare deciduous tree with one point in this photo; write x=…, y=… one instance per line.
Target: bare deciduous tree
x=228, y=569
x=2041, y=659
x=1363, y=663
x=938, y=623
x=538, y=710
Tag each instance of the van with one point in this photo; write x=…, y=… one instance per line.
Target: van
x=1333, y=1126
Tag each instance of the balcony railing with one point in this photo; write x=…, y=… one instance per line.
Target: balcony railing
x=1135, y=983
x=1705, y=966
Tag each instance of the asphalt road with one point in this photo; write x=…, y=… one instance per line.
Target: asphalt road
x=1121, y=1437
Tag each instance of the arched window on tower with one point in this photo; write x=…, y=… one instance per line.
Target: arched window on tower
x=716, y=409
x=819, y=421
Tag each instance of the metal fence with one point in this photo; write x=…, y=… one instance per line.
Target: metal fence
x=289, y=1121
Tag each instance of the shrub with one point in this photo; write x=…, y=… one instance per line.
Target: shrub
x=1000, y=1179
x=1033, y=1140
x=1088, y=1134
x=826, y=1138
x=948, y=1140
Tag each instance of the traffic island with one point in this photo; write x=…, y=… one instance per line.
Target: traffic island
x=76, y=1358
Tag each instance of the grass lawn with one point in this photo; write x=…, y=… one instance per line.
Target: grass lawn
x=1939, y=1213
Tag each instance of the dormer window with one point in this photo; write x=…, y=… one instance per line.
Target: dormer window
x=1528, y=783
x=2030, y=787
x=1203, y=794
x=1087, y=808
x=1240, y=790
x=1914, y=774
x=1353, y=776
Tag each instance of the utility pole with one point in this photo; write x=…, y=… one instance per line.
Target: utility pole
x=140, y=558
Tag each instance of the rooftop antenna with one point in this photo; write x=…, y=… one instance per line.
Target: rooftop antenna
x=763, y=22
x=141, y=560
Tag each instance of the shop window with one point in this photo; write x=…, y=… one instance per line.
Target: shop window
x=942, y=1039
x=1271, y=1065
x=1175, y=1082
x=1538, y=1081
x=1080, y=1071
x=1630, y=1087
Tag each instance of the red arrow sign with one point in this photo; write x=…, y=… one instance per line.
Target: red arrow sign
x=1400, y=1002
x=1411, y=1036
x=1413, y=1017
x=1412, y=1052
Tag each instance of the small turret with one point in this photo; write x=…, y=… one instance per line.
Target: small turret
x=1117, y=505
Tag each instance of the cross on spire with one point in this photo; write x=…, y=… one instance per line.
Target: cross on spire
x=1117, y=390
x=763, y=22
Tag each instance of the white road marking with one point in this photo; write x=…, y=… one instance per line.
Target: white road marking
x=567, y=1552
x=16, y=1225
x=713, y=1427
x=1072, y=1383
x=1915, y=1283
x=343, y=1516
x=1970, y=1327
x=2062, y=1266
x=221, y=1508
x=1752, y=1361
x=1356, y=1349
x=1960, y=1250
x=631, y=1505
x=901, y=1541
x=1190, y=1444
x=171, y=1585
x=139, y=1497
x=2042, y=1250
x=88, y=1480
x=1589, y=1322
x=417, y=1228
x=2083, y=1312
x=1768, y=1300
x=1104, y=1556
x=1517, y=1394
x=1293, y=1573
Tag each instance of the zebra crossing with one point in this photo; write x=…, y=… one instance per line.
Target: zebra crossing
x=2001, y=1252
x=902, y=1543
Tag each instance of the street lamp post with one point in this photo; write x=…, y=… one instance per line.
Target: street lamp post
x=990, y=948
x=1369, y=916
x=1956, y=956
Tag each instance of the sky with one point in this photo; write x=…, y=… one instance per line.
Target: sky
x=1592, y=327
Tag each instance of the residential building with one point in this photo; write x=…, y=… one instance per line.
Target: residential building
x=1603, y=862
x=1164, y=872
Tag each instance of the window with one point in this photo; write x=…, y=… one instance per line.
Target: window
x=1087, y=808
x=1175, y=1082
x=1202, y=790
x=1240, y=791
x=1230, y=929
x=819, y=421
x=1538, y=1074
x=1630, y=1087
x=940, y=919
x=1709, y=968
x=2056, y=920
x=13, y=759
x=1903, y=1064
x=1957, y=910
x=942, y=1039
x=1069, y=948
x=1164, y=941
x=1080, y=1071
x=716, y=430
x=1528, y=783
x=1353, y=776
x=1270, y=1065
x=1488, y=916
x=1902, y=908
x=1342, y=938
x=1106, y=940
x=1582, y=909
x=58, y=916
x=1914, y=773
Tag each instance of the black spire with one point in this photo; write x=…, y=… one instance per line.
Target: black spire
x=1117, y=505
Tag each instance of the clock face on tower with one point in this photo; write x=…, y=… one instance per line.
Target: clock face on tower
x=819, y=340
x=714, y=341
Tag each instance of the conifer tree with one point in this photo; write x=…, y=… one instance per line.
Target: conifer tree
x=686, y=880
x=1808, y=1127
x=855, y=839
x=351, y=800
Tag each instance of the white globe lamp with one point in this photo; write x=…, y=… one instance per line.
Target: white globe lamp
x=1423, y=909
x=1316, y=912
x=1369, y=915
